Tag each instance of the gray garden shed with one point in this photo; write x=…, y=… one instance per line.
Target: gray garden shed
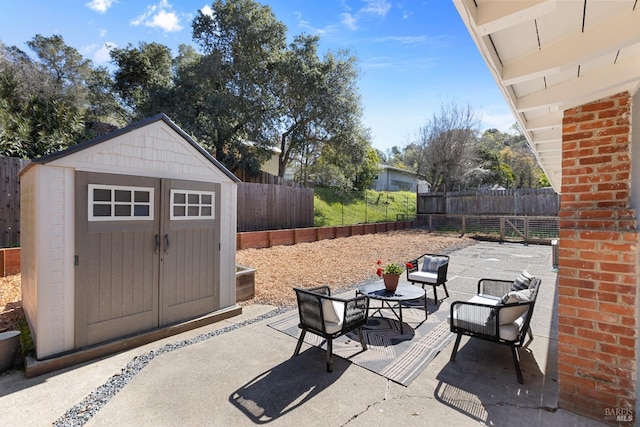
x=129, y=232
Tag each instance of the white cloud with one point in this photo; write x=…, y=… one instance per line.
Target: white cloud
x=308, y=28
x=349, y=21
x=100, y=6
x=206, y=10
x=102, y=32
x=102, y=55
x=160, y=16
x=86, y=50
x=168, y=21
x=404, y=39
x=371, y=7
x=376, y=7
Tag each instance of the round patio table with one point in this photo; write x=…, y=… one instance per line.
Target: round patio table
x=404, y=292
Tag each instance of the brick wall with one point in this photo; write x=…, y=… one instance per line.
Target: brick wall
x=598, y=261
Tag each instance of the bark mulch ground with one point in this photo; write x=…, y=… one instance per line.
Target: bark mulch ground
x=338, y=263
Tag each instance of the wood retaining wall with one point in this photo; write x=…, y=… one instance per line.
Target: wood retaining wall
x=269, y=238
x=10, y=257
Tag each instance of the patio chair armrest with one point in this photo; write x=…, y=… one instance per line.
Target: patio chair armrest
x=356, y=310
x=473, y=318
x=322, y=289
x=414, y=265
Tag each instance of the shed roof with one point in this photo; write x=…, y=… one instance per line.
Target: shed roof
x=130, y=128
x=548, y=56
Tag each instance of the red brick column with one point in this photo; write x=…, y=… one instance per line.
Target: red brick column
x=598, y=262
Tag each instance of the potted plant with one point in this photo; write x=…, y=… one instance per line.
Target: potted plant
x=390, y=274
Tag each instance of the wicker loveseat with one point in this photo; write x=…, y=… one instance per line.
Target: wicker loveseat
x=500, y=312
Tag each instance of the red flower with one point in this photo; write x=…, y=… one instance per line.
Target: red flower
x=409, y=265
x=379, y=270
x=379, y=262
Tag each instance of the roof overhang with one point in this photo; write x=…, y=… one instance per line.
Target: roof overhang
x=551, y=55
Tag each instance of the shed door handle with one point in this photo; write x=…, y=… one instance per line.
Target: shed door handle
x=157, y=245
x=166, y=242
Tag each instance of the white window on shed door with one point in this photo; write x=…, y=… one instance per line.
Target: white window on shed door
x=119, y=203
x=190, y=204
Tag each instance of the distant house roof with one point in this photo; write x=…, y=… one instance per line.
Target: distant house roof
x=393, y=168
x=400, y=170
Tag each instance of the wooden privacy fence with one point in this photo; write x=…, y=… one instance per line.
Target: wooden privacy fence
x=536, y=201
x=264, y=178
x=260, y=206
x=10, y=201
x=273, y=207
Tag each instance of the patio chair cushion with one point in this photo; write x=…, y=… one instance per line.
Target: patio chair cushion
x=523, y=281
x=423, y=276
x=508, y=331
x=511, y=330
x=430, y=264
x=510, y=314
x=332, y=311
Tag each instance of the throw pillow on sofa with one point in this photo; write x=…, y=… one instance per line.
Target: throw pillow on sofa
x=522, y=281
x=510, y=314
x=431, y=264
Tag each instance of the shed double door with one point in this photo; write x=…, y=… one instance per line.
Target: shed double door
x=146, y=254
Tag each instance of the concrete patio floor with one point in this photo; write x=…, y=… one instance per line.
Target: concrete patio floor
x=246, y=375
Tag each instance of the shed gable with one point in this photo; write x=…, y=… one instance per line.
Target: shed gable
x=152, y=147
x=152, y=150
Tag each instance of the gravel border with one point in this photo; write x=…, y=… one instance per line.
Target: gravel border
x=82, y=412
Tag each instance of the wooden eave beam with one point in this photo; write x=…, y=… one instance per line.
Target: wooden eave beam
x=617, y=33
x=596, y=84
x=494, y=16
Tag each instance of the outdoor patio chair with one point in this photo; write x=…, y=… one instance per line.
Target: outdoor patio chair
x=500, y=312
x=330, y=317
x=429, y=269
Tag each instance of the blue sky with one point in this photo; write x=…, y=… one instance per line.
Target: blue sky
x=413, y=55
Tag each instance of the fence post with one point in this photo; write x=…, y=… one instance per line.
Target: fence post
x=366, y=206
x=342, y=206
x=386, y=208
x=502, y=220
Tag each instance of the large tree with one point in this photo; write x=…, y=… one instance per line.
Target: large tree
x=242, y=42
x=66, y=68
x=509, y=160
x=320, y=110
x=42, y=100
x=140, y=74
x=446, y=144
